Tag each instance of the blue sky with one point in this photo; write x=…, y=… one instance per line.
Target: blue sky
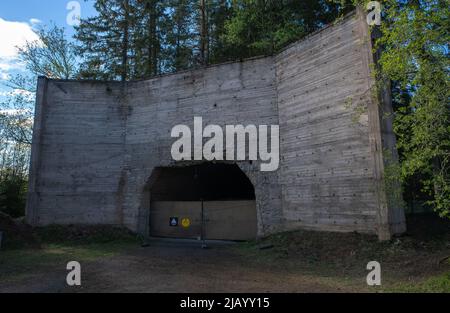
x=46, y=11
x=19, y=19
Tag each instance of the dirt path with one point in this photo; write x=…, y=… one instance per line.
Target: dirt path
x=298, y=261
x=178, y=266
x=191, y=269
x=171, y=266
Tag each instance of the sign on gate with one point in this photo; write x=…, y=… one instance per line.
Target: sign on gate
x=173, y=221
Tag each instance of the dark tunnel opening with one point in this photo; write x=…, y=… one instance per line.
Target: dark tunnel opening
x=207, y=181
x=209, y=201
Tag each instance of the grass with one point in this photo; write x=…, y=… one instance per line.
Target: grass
x=439, y=283
x=410, y=263
x=60, y=245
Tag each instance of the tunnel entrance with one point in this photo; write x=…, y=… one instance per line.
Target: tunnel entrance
x=209, y=201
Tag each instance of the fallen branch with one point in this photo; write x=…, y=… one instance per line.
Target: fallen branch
x=443, y=259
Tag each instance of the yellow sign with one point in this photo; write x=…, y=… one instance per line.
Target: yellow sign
x=186, y=222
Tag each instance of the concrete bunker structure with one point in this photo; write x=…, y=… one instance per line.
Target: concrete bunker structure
x=102, y=150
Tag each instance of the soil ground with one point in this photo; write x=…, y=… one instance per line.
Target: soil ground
x=114, y=261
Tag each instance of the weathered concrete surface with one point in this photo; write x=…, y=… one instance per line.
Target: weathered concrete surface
x=97, y=144
x=332, y=171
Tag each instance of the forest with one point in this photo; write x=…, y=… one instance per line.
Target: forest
x=137, y=39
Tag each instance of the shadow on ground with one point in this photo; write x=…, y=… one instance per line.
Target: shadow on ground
x=113, y=260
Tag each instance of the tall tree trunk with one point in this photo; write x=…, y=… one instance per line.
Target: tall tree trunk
x=203, y=33
x=125, y=40
x=153, y=42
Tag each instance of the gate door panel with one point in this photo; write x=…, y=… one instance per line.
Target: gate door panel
x=175, y=219
x=230, y=220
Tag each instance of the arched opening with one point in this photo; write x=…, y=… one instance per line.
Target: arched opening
x=209, y=200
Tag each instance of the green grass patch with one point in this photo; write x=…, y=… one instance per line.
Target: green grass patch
x=60, y=245
x=82, y=235
x=408, y=264
x=436, y=284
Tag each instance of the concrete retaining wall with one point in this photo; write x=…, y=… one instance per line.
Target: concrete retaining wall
x=96, y=144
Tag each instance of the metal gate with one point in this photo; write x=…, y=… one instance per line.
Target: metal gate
x=221, y=220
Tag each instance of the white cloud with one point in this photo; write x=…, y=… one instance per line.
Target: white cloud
x=16, y=92
x=9, y=64
x=14, y=34
x=34, y=21
x=3, y=75
x=15, y=112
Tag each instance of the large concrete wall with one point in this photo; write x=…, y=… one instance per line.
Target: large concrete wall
x=228, y=94
x=96, y=145
x=77, y=153
x=327, y=176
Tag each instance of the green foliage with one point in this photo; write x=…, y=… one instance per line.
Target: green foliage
x=104, y=41
x=81, y=235
x=415, y=57
x=13, y=192
x=415, y=36
x=52, y=55
x=437, y=284
x=140, y=38
x=261, y=27
x=19, y=264
x=392, y=185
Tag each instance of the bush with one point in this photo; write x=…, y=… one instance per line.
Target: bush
x=13, y=194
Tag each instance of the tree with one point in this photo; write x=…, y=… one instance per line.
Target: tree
x=53, y=56
x=262, y=27
x=220, y=12
x=149, y=31
x=13, y=191
x=203, y=29
x=415, y=56
x=415, y=40
x=180, y=39
x=141, y=38
x=104, y=41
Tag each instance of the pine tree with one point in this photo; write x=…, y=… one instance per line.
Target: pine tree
x=220, y=11
x=148, y=40
x=104, y=40
x=141, y=38
x=181, y=35
x=203, y=21
x=262, y=27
